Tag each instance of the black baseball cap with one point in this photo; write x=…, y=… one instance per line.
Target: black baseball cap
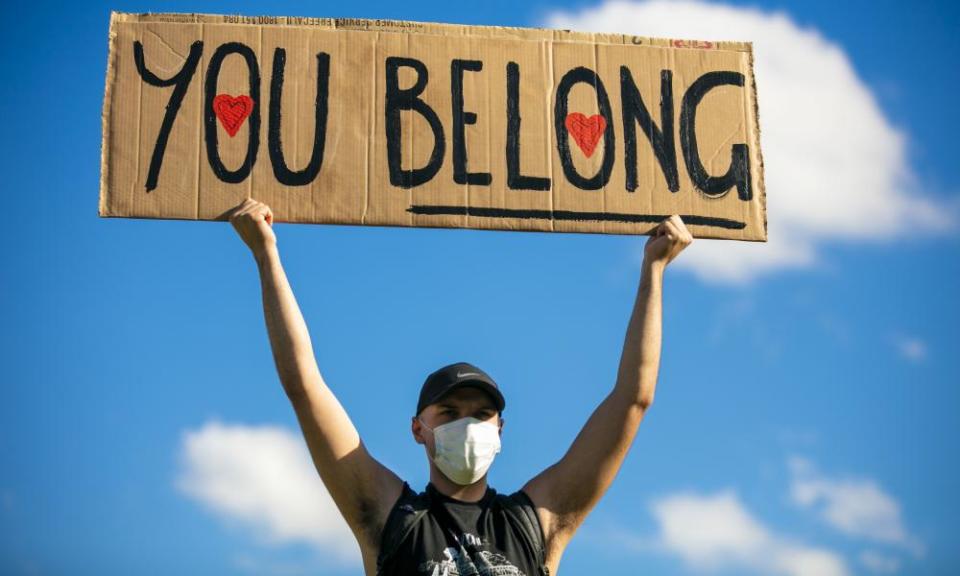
x=456, y=376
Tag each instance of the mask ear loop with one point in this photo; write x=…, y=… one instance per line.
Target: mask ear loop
x=432, y=433
x=424, y=424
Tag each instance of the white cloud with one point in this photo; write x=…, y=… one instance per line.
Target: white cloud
x=880, y=563
x=854, y=506
x=262, y=477
x=836, y=167
x=911, y=348
x=717, y=532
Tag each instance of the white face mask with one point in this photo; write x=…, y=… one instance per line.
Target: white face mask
x=464, y=449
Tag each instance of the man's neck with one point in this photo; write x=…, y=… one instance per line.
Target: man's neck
x=469, y=493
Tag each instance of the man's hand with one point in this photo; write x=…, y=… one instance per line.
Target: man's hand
x=666, y=241
x=253, y=221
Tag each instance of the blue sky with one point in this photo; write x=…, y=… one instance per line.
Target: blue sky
x=805, y=414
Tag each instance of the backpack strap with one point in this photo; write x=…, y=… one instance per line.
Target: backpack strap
x=405, y=514
x=519, y=507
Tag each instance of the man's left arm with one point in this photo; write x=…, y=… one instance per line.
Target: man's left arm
x=565, y=492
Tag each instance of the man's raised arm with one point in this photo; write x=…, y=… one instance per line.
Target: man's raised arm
x=566, y=492
x=363, y=489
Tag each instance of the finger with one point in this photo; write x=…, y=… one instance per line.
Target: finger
x=679, y=231
x=237, y=216
x=244, y=206
x=258, y=205
x=254, y=208
x=259, y=209
x=685, y=234
x=663, y=227
x=233, y=212
x=241, y=215
x=672, y=229
x=678, y=224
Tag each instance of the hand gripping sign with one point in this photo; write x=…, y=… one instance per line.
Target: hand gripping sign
x=411, y=124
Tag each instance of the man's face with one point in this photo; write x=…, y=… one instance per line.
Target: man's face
x=460, y=403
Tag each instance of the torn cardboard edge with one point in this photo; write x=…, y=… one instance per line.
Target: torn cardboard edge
x=433, y=28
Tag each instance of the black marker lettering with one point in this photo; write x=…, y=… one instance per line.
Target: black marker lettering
x=274, y=145
x=180, y=81
x=210, y=118
x=515, y=180
x=634, y=111
x=739, y=172
x=587, y=76
x=397, y=100
x=568, y=215
x=460, y=119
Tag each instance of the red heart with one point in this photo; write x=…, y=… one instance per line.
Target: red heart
x=232, y=111
x=586, y=131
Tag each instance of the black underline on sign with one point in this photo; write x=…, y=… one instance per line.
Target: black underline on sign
x=571, y=215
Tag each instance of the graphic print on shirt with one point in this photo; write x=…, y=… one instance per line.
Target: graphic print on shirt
x=469, y=560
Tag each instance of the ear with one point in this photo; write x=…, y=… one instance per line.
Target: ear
x=416, y=428
x=502, y=422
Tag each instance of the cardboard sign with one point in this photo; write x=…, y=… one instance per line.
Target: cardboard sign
x=411, y=124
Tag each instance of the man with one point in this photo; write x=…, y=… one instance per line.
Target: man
x=460, y=526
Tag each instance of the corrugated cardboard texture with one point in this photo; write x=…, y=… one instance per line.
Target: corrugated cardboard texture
x=391, y=123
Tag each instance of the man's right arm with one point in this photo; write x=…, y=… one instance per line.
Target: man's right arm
x=363, y=489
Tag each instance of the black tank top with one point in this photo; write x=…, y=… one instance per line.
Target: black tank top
x=449, y=537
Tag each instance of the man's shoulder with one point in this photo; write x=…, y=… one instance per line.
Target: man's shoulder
x=409, y=507
x=410, y=500
x=516, y=500
x=522, y=513
x=404, y=515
